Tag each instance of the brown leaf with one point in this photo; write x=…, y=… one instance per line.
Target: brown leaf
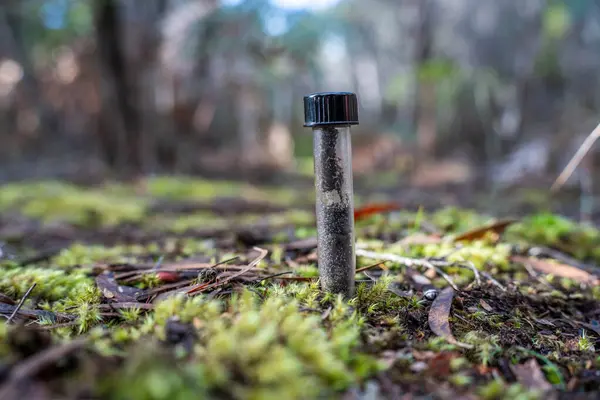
x=374, y=209
x=420, y=239
x=497, y=227
x=558, y=269
x=485, y=305
x=530, y=375
x=440, y=365
x=115, y=292
x=438, y=317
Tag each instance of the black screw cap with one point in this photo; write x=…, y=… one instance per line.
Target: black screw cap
x=330, y=108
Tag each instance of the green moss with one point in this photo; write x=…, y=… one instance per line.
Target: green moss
x=497, y=390
x=83, y=255
x=189, y=189
x=478, y=252
x=454, y=220
x=487, y=347
x=55, y=201
x=256, y=350
x=186, y=188
x=288, y=339
x=585, y=344
x=182, y=223
x=51, y=284
x=4, y=348
x=460, y=380
x=580, y=240
x=439, y=344
x=376, y=299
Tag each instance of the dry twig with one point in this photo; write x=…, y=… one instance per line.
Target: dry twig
x=18, y=307
x=204, y=286
x=409, y=262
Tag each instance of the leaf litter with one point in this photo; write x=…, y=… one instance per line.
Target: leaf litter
x=442, y=300
x=439, y=317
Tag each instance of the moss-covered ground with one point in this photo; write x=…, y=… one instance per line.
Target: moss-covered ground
x=180, y=288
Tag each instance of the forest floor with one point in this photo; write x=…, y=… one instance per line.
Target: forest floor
x=181, y=288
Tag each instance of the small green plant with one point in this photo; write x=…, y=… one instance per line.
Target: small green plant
x=584, y=343
x=486, y=346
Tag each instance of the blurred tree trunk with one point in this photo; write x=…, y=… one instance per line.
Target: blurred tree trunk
x=248, y=121
x=424, y=115
x=11, y=32
x=119, y=130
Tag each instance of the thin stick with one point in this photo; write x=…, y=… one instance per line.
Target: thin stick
x=158, y=263
x=494, y=281
x=18, y=307
x=363, y=269
x=273, y=276
x=467, y=264
x=407, y=261
x=581, y=152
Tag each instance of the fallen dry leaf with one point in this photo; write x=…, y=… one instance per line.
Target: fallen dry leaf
x=530, y=375
x=439, y=314
x=485, y=305
x=557, y=269
x=373, y=209
x=497, y=228
x=420, y=239
x=441, y=364
x=115, y=292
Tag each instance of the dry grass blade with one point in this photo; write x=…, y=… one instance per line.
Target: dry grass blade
x=254, y=263
x=185, y=266
x=368, y=267
x=581, y=152
x=439, y=314
x=558, y=269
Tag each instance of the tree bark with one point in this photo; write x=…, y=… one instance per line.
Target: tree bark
x=424, y=116
x=119, y=132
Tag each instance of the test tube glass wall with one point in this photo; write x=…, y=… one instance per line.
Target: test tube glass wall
x=331, y=115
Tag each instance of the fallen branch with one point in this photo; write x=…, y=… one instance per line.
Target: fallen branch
x=410, y=262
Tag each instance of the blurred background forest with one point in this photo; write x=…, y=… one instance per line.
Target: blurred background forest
x=480, y=91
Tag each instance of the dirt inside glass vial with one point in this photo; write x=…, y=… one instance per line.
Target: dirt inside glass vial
x=331, y=115
x=335, y=208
